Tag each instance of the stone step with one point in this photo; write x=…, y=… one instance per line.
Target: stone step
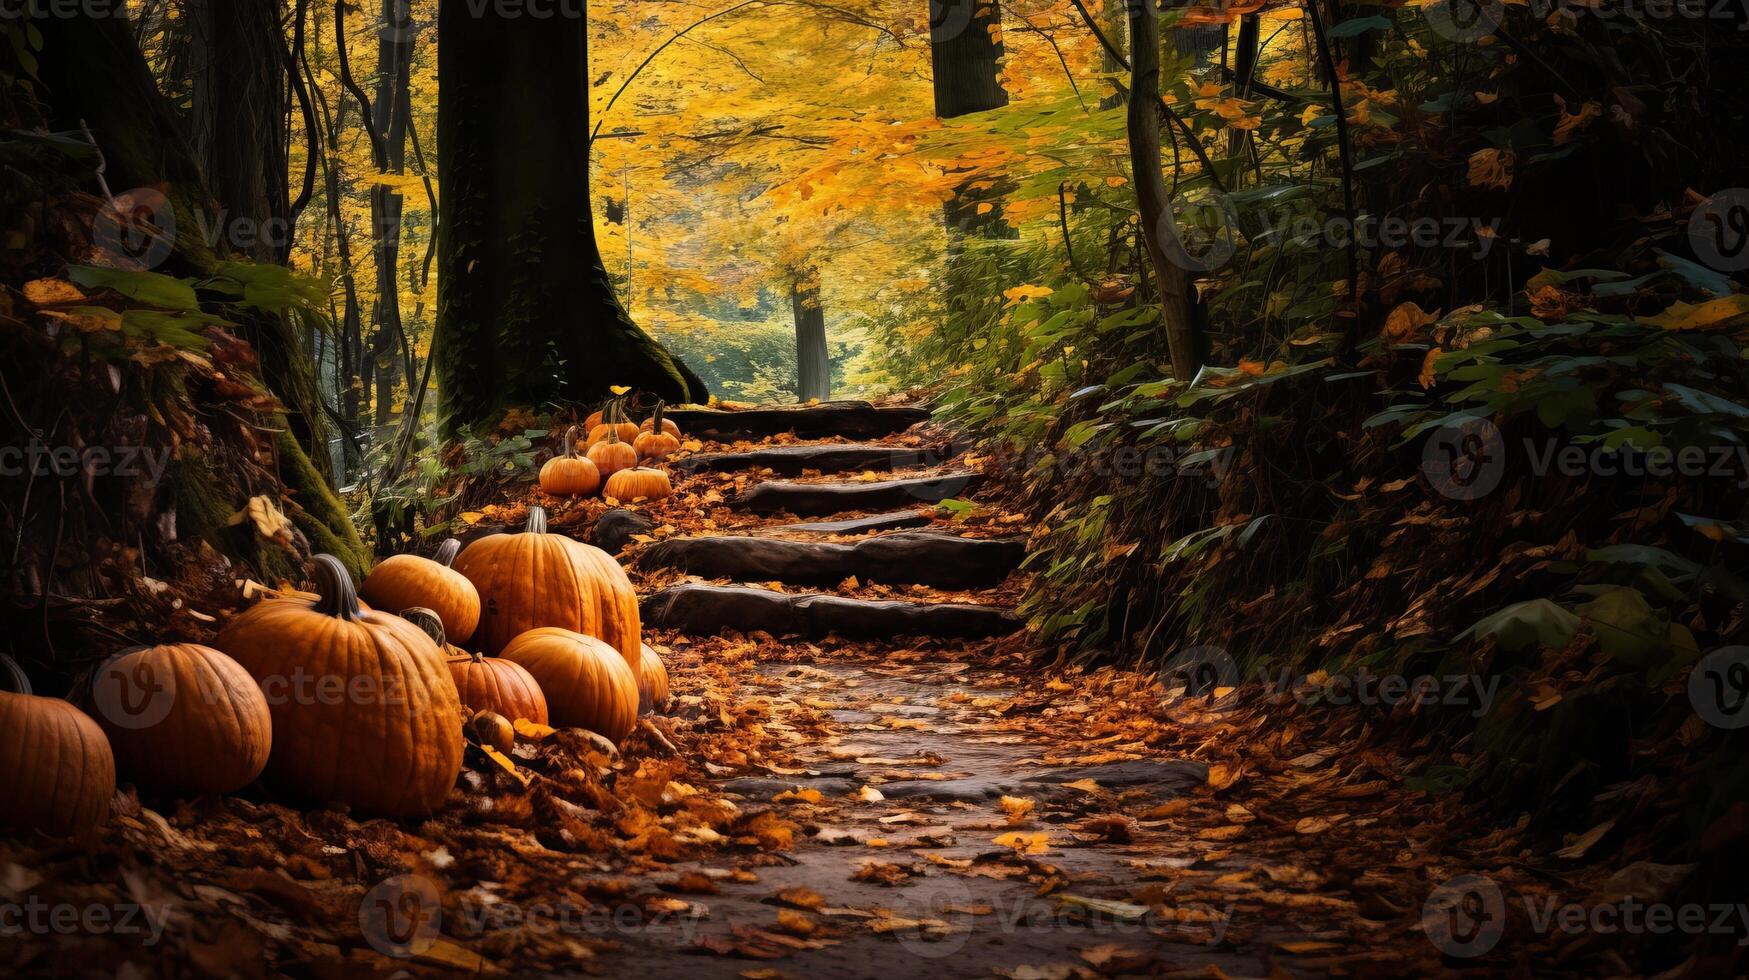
x=830, y=458
x=894, y=521
x=939, y=560
x=819, y=499
x=828, y=420
x=708, y=609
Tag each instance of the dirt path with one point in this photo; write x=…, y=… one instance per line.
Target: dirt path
x=842, y=803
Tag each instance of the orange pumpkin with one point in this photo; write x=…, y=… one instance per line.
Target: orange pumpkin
x=400, y=581
x=568, y=474
x=183, y=718
x=614, y=424
x=656, y=441
x=59, y=772
x=612, y=455
x=588, y=683
x=493, y=684
x=652, y=682
x=537, y=579
x=364, y=710
x=638, y=483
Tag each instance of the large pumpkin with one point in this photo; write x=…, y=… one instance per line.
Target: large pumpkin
x=638, y=483
x=652, y=682
x=568, y=474
x=536, y=579
x=364, y=710
x=485, y=683
x=587, y=683
x=59, y=774
x=401, y=581
x=183, y=718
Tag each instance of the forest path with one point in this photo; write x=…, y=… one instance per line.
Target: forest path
x=963, y=812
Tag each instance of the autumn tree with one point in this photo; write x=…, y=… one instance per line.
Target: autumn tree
x=526, y=312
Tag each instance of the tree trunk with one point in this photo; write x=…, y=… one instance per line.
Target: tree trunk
x=97, y=76
x=813, y=361
x=526, y=313
x=1116, y=31
x=1178, y=312
x=965, y=46
x=393, y=107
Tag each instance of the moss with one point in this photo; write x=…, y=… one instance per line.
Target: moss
x=319, y=514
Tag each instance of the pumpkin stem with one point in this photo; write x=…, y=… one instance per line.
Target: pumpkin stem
x=656, y=418
x=12, y=676
x=537, y=520
x=339, y=597
x=428, y=621
x=570, y=449
x=447, y=551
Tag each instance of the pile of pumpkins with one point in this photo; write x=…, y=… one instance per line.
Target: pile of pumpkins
x=613, y=457
x=335, y=699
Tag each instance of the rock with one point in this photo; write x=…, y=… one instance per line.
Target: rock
x=856, y=525
x=941, y=560
x=943, y=790
x=1176, y=776
x=707, y=609
x=614, y=529
x=835, y=498
x=846, y=420
x=830, y=458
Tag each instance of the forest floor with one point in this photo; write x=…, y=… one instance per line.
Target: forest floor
x=825, y=808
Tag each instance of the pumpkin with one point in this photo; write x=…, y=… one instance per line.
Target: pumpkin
x=401, y=581
x=537, y=579
x=568, y=474
x=659, y=420
x=612, y=455
x=364, y=710
x=59, y=771
x=657, y=443
x=494, y=684
x=652, y=682
x=183, y=718
x=614, y=423
x=491, y=728
x=638, y=483
x=588, y=683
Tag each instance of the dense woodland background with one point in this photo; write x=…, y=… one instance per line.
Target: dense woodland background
x=963, y=216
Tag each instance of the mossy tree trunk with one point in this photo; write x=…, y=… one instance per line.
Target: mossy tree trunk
x=93, y=72
x=526, y=312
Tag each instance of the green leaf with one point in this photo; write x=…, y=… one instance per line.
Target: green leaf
x=150, y=288
x=1538, y=623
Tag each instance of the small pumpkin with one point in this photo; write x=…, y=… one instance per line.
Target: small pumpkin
x=587, y=683
x=537, y=579
x=638, y=483
x=614, y=423
x=652, y=682
x=183, y=718
x=569, y=474
x=660, y=420
x=59, y=770
x=364, y=710
x=484, y=683
x=491, y=728
x=400, y=581
x=656, y=441
x=612, y=455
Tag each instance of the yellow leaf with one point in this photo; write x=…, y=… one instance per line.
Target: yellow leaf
x=618, y=389
x=1026, y=843
x=47, y=292
x=1711, y=315
x=472, y=517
